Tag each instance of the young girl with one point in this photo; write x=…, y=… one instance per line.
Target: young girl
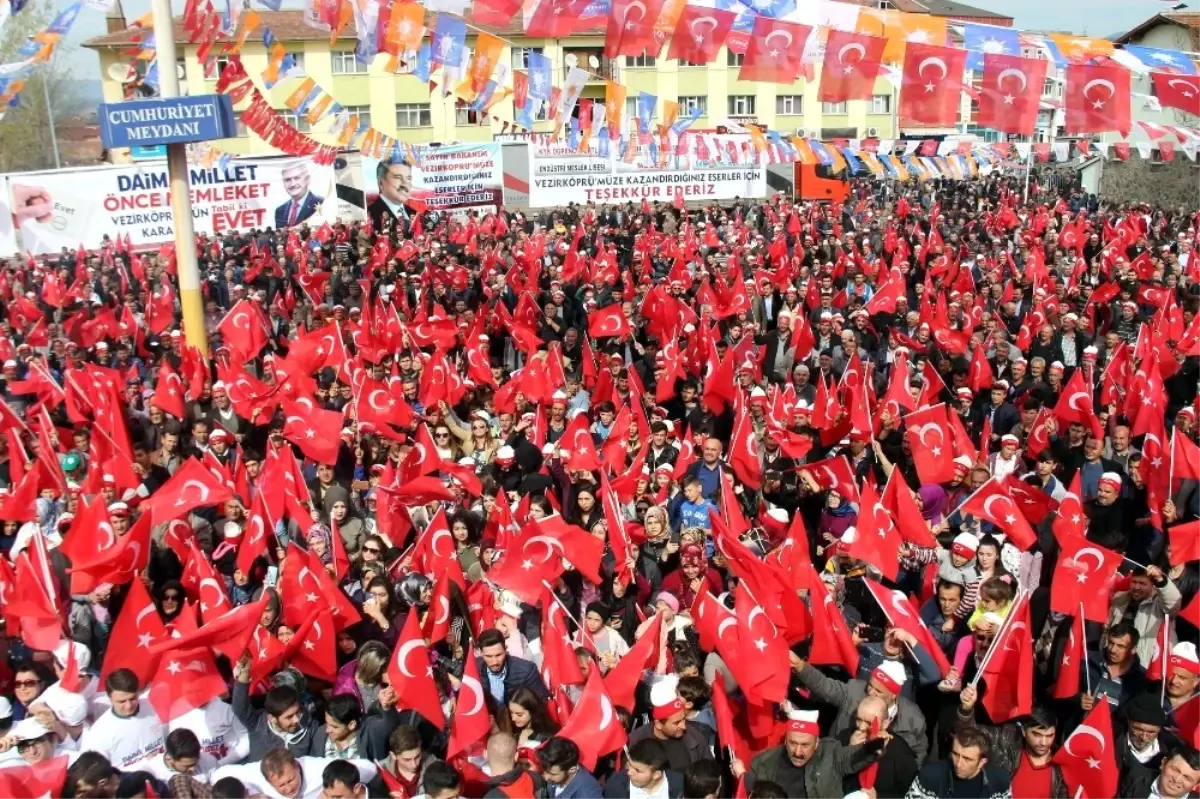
x=956, y=565
x=995, y=598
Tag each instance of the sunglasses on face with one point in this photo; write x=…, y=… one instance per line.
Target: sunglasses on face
x=26, y=683
x=372, y=550
x=171, y=597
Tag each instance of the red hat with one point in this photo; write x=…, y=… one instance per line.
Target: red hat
x=664, y=698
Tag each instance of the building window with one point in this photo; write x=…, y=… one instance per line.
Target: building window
x=741, y=105
x=363, y=112
x=219, y=68
x=642, y=60
x=344, y=63
x=1050, y=88
x=299, y=59
x=881, y=104
x=833, y=108
x=413, y=115
x=789, y=104
x=465, y=116
x=734, y=59
x=300, y=123
x=241, y=126
x=683, y=62
x=689, y=104
x=520, y=56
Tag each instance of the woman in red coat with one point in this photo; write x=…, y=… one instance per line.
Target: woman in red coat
x=693, y=577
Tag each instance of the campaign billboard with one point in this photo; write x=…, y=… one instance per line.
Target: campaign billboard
x=699, y=167
x=453, y=177
x=84, y=205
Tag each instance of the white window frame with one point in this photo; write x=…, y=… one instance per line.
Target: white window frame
x=742, y=105
x=833, y=108
x=344, y=62
x=881, y=104
x=643, y=61
x=789, y=105
x=688, y=104
x=419, y=109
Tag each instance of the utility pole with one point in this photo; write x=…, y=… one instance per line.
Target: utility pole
x=50, y=119
x=181, y=199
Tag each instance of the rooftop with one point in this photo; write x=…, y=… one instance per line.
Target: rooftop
x=1188, y=20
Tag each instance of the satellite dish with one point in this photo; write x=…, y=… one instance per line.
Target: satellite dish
x=594, y=62
x=571, y=59
x=122, y=73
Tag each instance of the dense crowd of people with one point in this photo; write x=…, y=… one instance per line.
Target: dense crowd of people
x=893, y=498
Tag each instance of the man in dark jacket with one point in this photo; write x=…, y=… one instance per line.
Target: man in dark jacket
x=348, y=734
x=1178, y=778
x=645, y=770
x=282, y=721
x=806, y=764
x=1023, y=748
x=968, y=774
x=684, y=743
x=897, y=763
x=1139, y=738
x=502, y=672
x=509, y=779
x=559, y=759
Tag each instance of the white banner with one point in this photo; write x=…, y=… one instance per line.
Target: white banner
x=704, y=167
x=88, y=204
x=455, y=177
x=8, y=236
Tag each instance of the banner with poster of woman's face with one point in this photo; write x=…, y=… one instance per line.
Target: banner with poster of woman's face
x=451, y=178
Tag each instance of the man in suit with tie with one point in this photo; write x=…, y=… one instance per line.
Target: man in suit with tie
x=395, y=182
x=303, y=203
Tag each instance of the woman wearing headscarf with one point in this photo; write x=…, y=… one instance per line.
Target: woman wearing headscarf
x=319, y=539
x=837, y=517
x=362, y=677
x=169, y=600
x=339, y=512
x=692, y=578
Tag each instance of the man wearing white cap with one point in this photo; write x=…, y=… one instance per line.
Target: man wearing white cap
x=886, y=681
x=1007, y=460
x=32, y=743
x=1183, y=676
x=806, y=764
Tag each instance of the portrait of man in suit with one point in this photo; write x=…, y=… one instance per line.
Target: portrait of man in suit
x=395, y=182
x=303, y=203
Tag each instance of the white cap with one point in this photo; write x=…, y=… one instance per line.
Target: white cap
x=29, y=729
x=466, y=462
x=83, y=655
x=1184, y=656
x=779, y=515
x=69, y=708
x=506, y=452
x=232, y=530
x=893, y=671
x=963, y=460
x=758, y=393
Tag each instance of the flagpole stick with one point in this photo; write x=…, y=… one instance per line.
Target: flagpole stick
x=1028, y=170
x=1134, y=563
x=1166, y=623
x=1171, y=470
x=1087, y=676
x=996, y=640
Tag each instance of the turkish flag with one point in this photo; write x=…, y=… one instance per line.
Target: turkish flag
x=117, y=564
x=312, y=649
x=471, y=721
x=877, y=540
x=1185, y=457
x=437, y=620
x=137, y=629
x=538, y=553
x=1066, y=683
x=608, y=322
x=168, y=391
x=192, y=486
x=184, y=681
x=1075, y=405
x=411, y=675
x=317, y=432
x=631, y=27
x=699, y=34
x=994, y=503
x=979, y=373
x=254, y=537
x=1034, y=503
x=773, y=54
x=231, y=631
x=242, y=330
x=593, y=725
x=903, y=508
x=204, y=585
x=1010, y=95
x=835, y=474
x=764, y=652
x=929, y=440
x=833, y=643
x=931, y=84
x=1009, y=672
x=1069, y=522
x=850, y=68
x=1157, y=670
x=708, y=616
x=1087, y=758
x=379, y=406
x=727, y=731
x=560, y=666
x=1082, y=577
x=743, y=456
x=1184, y=542
x=622, y=680
x=1097, y=98
x=901, y=613
x=1181, y=92
x=46, y=778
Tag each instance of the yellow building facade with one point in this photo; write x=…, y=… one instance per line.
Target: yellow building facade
x=403, y=107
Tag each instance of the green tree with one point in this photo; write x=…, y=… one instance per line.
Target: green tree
x=25, y=139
